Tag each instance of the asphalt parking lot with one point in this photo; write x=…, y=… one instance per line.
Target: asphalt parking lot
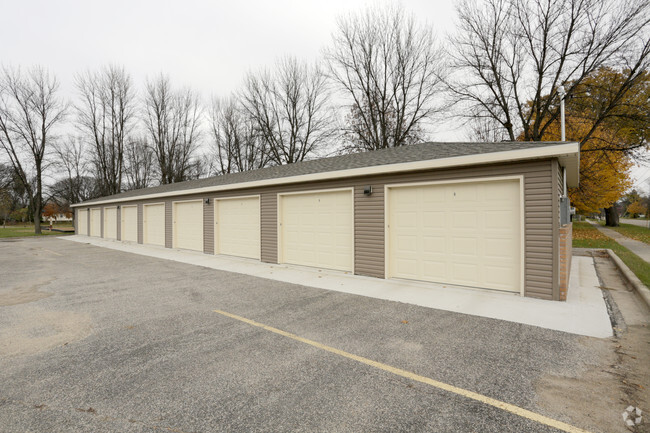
x=100, y=340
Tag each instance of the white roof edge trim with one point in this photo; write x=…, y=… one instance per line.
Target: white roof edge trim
x=562, y=150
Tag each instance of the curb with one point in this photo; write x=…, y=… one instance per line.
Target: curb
x=640, y=288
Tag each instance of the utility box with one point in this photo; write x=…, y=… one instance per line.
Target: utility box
x=565, y=211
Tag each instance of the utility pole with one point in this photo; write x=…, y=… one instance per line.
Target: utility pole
x=562, y=93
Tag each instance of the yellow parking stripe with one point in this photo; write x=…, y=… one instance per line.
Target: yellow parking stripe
x=524, y=413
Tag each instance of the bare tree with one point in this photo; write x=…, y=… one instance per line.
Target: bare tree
x=236, y=144
x=30, y=109
x=391, y=70
x=289, y=109
x=510, y=57
x=106, y=120
x=486, y=130
x=76, y=185
x=6, y=176
x=6, y=199
x=172, y=120
x=202, y=166
x=139, y=161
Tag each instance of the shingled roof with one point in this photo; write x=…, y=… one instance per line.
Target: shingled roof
x=395, y=155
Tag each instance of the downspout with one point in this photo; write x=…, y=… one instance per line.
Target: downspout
x=562, y=93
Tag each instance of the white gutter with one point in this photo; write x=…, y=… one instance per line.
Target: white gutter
x=569, y=150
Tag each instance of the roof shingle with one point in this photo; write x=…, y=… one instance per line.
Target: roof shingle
x=394, y=155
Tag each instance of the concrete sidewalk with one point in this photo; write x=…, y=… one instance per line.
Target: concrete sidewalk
x=584, y=312
x=637, y=247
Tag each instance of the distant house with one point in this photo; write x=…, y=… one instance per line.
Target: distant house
x=57, y=217
x=484, y=215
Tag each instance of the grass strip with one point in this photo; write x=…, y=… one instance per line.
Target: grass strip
x=587, y=236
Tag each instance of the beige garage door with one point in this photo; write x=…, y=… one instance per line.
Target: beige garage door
x=130, y=223
x=463, y=233
x=188, y=225
x=153, y=224
x=110, y=223
x=82, y=222
x=95, y=222
x=316, y=229
x=237, y=227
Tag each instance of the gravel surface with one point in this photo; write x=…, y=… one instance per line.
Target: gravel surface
x=139, y=348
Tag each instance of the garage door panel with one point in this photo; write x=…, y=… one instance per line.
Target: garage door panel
x=238, y=227
x=188, y=225
x=461, y=193
x=464, y=220
x=82, y=222
x=95, y=222
x=316, y=229
x=465, y=233
x=494, y=193
x=464, y=246
x=129, y=223
x=110, y=223
x=153, y=224
x=500, y=247
x=431, y=244
x=498, y=275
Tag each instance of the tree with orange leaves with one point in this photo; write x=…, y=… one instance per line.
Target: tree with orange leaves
x=636, y=208
x=609, y=146
x=604, y=173
x=51, y=210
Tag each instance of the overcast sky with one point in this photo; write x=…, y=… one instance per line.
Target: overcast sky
x=207, y=45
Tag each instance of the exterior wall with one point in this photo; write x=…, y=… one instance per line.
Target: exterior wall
x=169, y=224
x=101, y=222
x=269, y=227
x=208, y=227
x=564, y=235
x=119, y=223
x=566, y=250
x=541, y=210
x=140, y=223
x=369, y=230
x=556, y=173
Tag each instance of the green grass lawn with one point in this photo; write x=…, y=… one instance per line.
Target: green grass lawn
x=24, y=230
x=587, y=236
x=631, y=231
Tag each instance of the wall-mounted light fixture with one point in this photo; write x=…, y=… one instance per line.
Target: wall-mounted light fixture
x=367, y=190
x=118, y=206
x=207, y=200
x=87, y=208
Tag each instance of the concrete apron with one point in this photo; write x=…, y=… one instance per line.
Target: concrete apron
x=584, y=312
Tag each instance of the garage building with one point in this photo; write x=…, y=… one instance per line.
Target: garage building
x=484, y=215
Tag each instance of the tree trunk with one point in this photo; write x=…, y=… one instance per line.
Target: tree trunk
x=611, y=217
x=37, y=220
x=38, y=205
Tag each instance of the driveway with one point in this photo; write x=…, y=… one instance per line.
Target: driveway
x=93, y=339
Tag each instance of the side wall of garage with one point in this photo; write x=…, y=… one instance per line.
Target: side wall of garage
x=208, y=227
x=541, y=228
x=119, y=223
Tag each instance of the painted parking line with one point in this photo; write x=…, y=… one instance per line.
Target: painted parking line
x=524, y=413
x=51, y=252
